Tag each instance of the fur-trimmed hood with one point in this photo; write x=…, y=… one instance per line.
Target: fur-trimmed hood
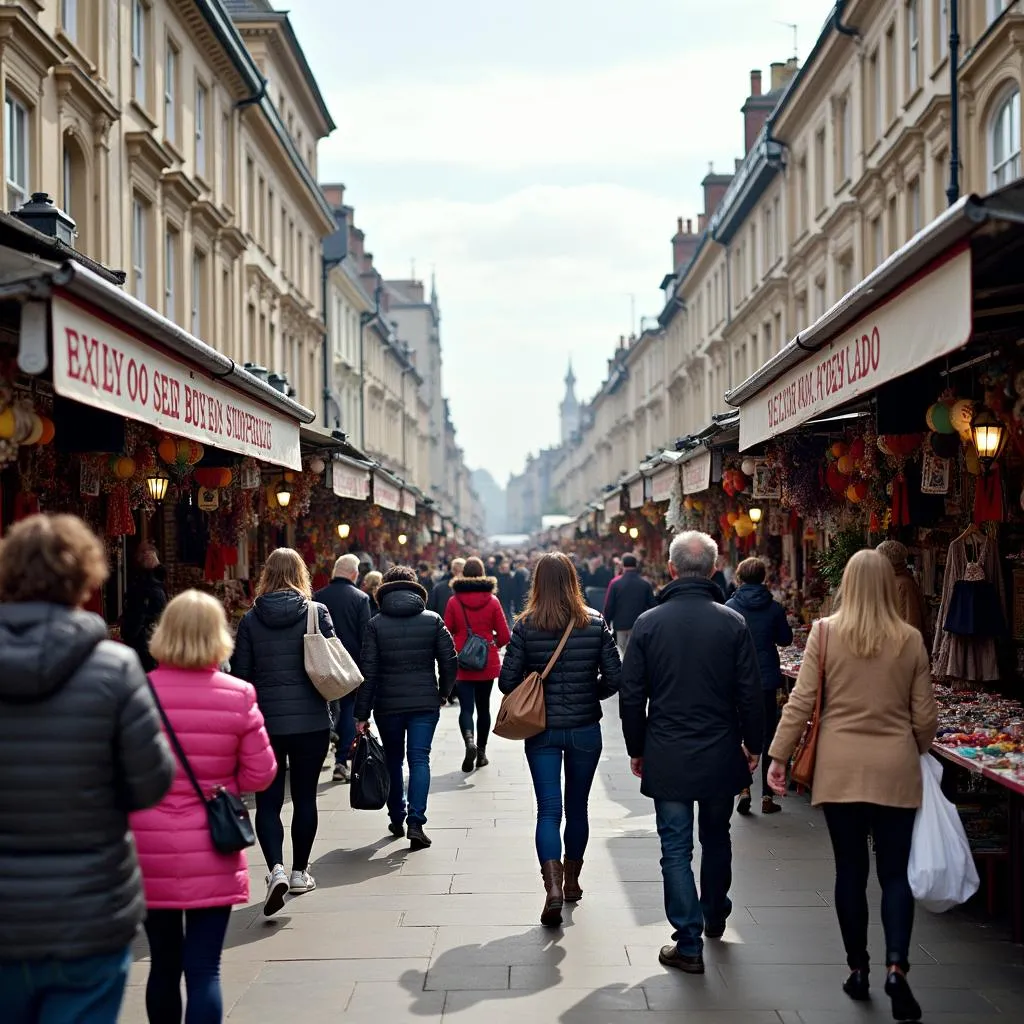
x=474, y=584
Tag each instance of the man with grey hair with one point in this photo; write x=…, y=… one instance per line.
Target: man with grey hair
x=441, y=592
x=693, y=720
x=350, y=613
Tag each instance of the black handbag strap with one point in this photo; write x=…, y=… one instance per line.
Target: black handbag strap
x=176, y=743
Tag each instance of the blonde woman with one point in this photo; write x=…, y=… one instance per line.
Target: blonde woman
x=269, y=654
x=371, y=584
x=190, y=887
x=878, y=717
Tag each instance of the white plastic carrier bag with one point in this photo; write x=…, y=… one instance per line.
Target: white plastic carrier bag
x=942, y=873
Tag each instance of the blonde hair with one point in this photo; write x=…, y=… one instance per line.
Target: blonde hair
x=285, y=569
x=868, y=619
x=458, y=564
x=192, y=632
x=371, y=581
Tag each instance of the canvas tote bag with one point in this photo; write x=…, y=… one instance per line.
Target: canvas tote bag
x=329, y=666
x=522, y=713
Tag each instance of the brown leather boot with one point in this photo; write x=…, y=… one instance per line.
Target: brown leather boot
x=571, y=885
x=551, y=872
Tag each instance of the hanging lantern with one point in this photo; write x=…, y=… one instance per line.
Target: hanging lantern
x=35, y=429
x=283, y=493
x=317, y=465
x=344, y=530
x=48, y=430
x=747, y=466
x=167, y=449
x=755, y=514
x=938, y=418
x=633, y=533
x=403, y=539
x=156, y=485
x=989, y=435
x=124, y=468
x=623, y=528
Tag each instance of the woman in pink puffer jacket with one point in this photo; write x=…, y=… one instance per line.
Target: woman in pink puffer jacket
x=190, y=887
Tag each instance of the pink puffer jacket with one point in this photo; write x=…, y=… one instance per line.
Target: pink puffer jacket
x=216, y=718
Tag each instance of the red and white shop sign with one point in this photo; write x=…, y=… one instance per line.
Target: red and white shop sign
x=100, y=365
x=612, y=506
x=697, y=473
x=386, y=494
x=350, y=482
x=926, y=320
x=408, y=503
x=662, y=484
x=636, y=493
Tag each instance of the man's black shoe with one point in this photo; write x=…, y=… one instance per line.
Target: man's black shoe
x=671, y=957
x=714, y=931
x=418, y=839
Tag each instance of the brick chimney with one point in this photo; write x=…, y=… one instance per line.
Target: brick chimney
x=756, y=110
x=684, y=244
x=783, y=72
x=334, y=194
x=714, y=186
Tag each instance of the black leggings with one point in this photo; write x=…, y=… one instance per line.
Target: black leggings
x=478, y=695
x=771, y=721
x=303, y=754
x=892, y=827
x=189, y=942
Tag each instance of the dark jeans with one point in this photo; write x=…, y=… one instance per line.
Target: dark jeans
x=686, y=912
x=345, y=727
x=476, y=695
x=771, y=721
x=87, y=990
x=408, y=735
x=302, y=753
x=185, y=942
x=892, y=827
x=579, y=750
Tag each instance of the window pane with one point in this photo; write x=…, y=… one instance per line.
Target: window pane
x=170, y=272
x=139, y=249
x=69, y=18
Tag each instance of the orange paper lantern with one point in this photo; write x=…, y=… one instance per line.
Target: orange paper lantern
x=49, y=430
x=167, y=449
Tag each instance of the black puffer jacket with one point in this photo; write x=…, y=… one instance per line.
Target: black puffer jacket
x=402, y=646
x=586, y=674
x=68, y=869
x=269, y=654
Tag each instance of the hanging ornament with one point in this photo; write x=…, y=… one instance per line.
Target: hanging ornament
x=960, y=415
x=317, y=465
x=49, y=430
x=167, y=449
x=748, y=466
x=938, y=418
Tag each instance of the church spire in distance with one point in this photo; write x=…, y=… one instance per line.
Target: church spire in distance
x=570, y=407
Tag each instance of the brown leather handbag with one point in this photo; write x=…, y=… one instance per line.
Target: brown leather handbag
x=806, y=753
x=522, y=713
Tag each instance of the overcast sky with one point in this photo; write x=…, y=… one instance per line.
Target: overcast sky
x=535, y=155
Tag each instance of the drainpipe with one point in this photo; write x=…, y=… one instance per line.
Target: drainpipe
x=326, y=266
x=255, y=98
x=365, y=319
x=953, y=191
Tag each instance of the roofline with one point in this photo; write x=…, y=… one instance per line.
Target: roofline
x=223, y=28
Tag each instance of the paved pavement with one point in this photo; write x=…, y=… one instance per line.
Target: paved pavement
x=451, y=934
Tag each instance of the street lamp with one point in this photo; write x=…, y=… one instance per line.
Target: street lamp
x=344, y=530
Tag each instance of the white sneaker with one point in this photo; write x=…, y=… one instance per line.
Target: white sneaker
x=301, y=881
x=277, y=886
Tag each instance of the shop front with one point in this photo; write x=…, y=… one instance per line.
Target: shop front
x=899, y=415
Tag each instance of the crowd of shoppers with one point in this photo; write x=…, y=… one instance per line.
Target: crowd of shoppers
x=126, y=839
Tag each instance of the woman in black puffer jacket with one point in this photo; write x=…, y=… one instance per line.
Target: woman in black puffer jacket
x=586, y=673
x=269, y=653
x=405, y=692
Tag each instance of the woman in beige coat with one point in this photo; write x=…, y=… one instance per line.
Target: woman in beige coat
x=878, y=717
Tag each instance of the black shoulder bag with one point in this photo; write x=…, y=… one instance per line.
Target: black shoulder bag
x=230, y=827
x=475, y=652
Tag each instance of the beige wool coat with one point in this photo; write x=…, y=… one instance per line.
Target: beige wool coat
x=879, y=715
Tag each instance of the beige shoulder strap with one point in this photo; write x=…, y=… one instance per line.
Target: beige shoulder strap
x=558, y=650
x=312, y=618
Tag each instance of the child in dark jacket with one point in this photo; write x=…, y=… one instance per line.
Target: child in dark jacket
x=770, y=628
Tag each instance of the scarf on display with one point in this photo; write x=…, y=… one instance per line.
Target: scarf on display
x=988, y=497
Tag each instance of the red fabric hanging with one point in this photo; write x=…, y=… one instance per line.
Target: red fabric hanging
x=900, y=510
x=988, y=497
x=214, y=567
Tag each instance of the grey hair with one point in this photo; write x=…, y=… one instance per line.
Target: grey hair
x=346, y=567
x=693, y=554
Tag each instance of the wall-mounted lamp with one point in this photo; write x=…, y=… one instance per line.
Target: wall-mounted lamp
x=755, y=514
x=403, y=539
x=283, y=493
x=989, y=435
x=633, y=533
x=623, y=528
x=156, y=484
x=344, y=530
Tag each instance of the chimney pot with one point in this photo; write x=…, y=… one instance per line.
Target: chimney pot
x=689, y=226
x=679, y=224
x=755, y=82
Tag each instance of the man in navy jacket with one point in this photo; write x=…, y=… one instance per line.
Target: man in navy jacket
x=629, y=596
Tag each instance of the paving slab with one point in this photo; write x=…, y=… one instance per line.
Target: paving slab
x=450, y=934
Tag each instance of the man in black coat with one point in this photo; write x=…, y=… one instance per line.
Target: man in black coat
x=693, y=721
x=350, y=613
x=441, y=592
x=629, y=596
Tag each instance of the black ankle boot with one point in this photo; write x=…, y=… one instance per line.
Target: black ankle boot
x=470, y=759
x=481, y=757
x=856, y=986
x=904, y=1006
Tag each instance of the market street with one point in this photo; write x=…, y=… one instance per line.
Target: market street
x=451, y=933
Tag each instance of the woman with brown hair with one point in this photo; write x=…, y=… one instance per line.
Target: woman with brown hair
x=586, y=672
x=269, y=653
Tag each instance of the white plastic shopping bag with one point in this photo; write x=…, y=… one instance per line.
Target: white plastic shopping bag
x=941, y=872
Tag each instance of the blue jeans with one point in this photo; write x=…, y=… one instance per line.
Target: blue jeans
x=185, y=942
x=685, y=911
x=87, y=990
x=580, y=751
x=345, y=727
x=408, y=735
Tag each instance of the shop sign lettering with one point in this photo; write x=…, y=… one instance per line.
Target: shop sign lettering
x=386, y=495
x=662, y=483
x=349, y=482
x=100, y=365
x=928, y=319
x=697, y=473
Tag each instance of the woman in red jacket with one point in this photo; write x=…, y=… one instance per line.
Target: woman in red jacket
x=475, y=608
